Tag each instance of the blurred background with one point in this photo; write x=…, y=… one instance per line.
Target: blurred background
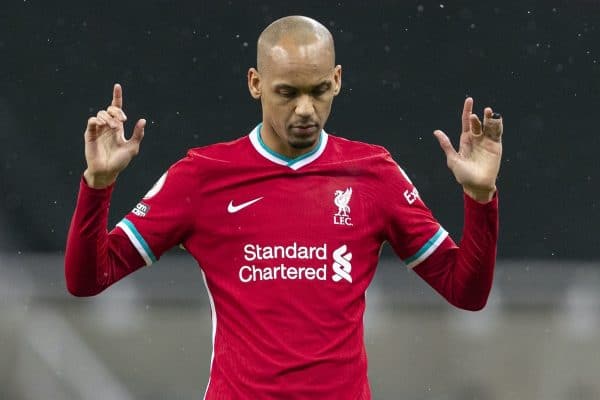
x=407, y=67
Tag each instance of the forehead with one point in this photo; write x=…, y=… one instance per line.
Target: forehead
x=299, y=64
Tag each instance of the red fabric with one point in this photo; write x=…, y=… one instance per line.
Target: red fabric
x=95, y=259
x=463, y=275
x=289, y=336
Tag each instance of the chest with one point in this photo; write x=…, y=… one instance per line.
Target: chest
x=289, y=208
x=311, y=221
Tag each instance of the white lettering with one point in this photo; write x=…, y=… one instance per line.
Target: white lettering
x=322, y=273
x=252, y=273
x=253, y=252
x=248, y=277
x=310, y=274
x=320, y=252
x=412, y=196
x=302, y=253
x=342, y=220
x=268, y=274
x=292, y=273
x=249, y=253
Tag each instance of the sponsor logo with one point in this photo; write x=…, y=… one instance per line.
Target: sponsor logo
x=342, y=198
x=341, y=264
x=254, y=252
x=141, y=209
x=231, y=209
x=412, y=196
x=251, y=273
x=308, y=263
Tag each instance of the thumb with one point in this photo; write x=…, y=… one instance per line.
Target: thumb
x=138, y=134
x=476, y=125
x=445, y=144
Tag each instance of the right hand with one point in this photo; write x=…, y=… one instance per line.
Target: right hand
x=107, y=152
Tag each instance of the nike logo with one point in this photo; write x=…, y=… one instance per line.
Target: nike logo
x=233, y=209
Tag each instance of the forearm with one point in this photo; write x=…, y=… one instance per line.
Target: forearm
x=94, y=259
x=463, y=275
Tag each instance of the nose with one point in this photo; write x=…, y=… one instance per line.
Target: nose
x=305, y=107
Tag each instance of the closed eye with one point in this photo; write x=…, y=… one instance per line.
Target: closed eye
x=286, y=91
x=321, y=89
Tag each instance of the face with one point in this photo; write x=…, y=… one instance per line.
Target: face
x=296, y=87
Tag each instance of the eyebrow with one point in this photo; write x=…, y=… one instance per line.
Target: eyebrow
x=280, y=86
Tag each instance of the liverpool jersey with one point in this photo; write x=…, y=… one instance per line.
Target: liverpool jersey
x=287, y=248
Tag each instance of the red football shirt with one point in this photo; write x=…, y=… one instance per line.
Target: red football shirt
x=288, y=248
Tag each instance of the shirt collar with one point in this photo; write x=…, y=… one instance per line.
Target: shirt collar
x=293, y=163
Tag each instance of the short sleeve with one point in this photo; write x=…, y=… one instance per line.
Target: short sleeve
x=410, y=227
x=161, y=219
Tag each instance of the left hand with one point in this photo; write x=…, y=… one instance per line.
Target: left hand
x=477, y=162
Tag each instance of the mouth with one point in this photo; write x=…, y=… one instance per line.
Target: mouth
x=305, y=129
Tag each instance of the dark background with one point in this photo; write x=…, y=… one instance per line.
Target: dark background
x=407, y=67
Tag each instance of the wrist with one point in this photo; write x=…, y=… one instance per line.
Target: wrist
x=480, y=195
x=98, y=181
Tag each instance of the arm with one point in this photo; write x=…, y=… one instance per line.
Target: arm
x=463, y=275
x=94, y=259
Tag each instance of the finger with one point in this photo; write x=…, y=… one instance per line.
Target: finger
x=117, y=99
x=138, y=134
x=487, y=114
x=475, y=125
x=493, y=125
x=467, y=110
x=103, y=115
x=93, y=123
x=117, y=113
x=92, y=128
x=446, y=145
x=100, y=118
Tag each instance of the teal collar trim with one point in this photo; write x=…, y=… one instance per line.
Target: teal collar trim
x=294, y=163
x=289, y=161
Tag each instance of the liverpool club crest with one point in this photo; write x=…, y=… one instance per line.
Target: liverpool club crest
x=342, y=198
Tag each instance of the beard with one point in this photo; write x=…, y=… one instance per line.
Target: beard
x=301, y=142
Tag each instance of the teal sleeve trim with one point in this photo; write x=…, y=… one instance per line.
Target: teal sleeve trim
x=428, y=248
x=140, y=239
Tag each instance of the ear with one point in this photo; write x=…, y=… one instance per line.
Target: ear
x=337, y=78
x=254, y=83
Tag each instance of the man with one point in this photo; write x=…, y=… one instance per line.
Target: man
x=287, y=224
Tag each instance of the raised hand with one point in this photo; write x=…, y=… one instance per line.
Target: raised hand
x=477, y=162
x=107, y=152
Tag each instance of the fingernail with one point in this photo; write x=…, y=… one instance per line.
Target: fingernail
x=496, y=115
x=124, y=116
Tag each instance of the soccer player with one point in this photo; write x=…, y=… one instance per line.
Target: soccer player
x=287, y=224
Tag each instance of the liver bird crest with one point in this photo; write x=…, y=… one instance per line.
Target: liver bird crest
x=341, y=200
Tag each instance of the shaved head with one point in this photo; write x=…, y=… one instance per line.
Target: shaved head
x=292, y=31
